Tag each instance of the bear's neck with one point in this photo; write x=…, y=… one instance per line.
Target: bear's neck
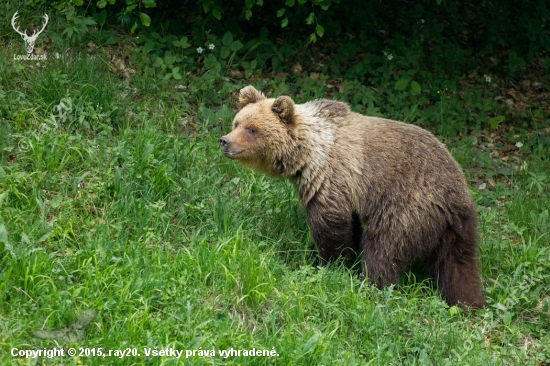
x=314, y=138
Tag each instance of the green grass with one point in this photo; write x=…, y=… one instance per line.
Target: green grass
x=128, y=208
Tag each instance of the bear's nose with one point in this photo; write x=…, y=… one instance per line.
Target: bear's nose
x=224, y=142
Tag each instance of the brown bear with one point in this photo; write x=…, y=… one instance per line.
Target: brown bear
x=385, y=189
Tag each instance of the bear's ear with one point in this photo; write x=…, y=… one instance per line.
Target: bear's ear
x=284, y=108
x=249, y=95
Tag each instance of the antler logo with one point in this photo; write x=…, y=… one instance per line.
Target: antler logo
x=29, y=40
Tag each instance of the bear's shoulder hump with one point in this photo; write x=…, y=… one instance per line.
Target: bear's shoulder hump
x=327, y=108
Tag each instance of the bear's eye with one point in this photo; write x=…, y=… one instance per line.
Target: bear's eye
x=251, y=130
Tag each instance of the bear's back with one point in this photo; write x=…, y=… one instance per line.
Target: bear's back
x=375, y=157
x=386, y=144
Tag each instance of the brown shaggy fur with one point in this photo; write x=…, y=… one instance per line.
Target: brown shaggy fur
x=385, y=189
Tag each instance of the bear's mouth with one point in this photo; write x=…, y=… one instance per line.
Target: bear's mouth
x=232, y=153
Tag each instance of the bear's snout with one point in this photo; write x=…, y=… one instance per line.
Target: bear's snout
x=229, y=149
x=224, y=143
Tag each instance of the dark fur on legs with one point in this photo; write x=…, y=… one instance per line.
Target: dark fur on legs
x=453, y=262
x=335, y=236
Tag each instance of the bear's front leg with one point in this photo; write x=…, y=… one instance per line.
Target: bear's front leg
x=335, y=230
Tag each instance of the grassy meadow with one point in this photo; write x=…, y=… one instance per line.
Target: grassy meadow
x=114, y=197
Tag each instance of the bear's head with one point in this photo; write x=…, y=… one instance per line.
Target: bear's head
x=263, y=133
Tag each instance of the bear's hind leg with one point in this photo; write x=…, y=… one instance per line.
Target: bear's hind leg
x=454, y=265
